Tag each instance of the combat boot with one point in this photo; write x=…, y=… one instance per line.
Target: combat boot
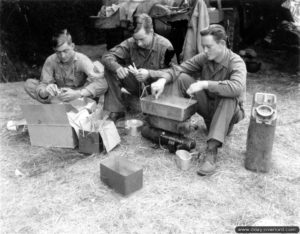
x=208, y=165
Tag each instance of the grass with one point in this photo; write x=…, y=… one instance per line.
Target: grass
x=61, y=191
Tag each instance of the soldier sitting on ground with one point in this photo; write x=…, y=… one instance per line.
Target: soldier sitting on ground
x=147, y=51
x=220, y=91
x=67, y=74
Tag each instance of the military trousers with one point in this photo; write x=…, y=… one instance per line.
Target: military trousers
x=219, y=113
x=114, y=101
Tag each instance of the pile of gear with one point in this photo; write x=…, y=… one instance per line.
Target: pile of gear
x=253, y=64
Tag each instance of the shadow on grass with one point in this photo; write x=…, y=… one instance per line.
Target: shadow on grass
x=49, y=159
x=33, y=160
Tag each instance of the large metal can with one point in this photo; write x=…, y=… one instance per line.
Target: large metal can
x=261, y=132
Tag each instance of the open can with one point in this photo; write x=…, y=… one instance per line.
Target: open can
x=183, y=159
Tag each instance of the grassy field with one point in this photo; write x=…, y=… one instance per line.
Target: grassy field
x=61, y=191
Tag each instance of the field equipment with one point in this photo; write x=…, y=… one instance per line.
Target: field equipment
x=261, y=132
x=171, y=140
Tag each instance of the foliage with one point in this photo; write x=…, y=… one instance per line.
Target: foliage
x=27, y=27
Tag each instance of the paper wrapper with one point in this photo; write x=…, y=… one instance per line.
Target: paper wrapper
x=80, y=120
x=109, y=135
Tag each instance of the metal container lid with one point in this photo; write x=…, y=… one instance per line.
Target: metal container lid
x=264, y=111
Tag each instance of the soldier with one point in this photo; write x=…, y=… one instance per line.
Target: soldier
x=220, y=90
x=74, y=72
x=147, y=51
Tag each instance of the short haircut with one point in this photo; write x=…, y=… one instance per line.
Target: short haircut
x=216, y=30
x=61, y=37
x=145, y=21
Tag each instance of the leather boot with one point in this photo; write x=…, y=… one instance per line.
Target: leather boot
x=208, y=165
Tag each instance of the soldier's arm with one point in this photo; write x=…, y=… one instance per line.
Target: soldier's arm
x=235, y=85
x=117, y=56
x=47, y=77
x=95, y=83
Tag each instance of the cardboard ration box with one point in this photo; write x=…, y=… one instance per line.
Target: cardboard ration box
x=48, y=125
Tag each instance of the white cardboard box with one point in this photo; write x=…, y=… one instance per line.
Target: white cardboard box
x=48, y=125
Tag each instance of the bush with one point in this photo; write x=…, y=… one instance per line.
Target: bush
x=28, y=25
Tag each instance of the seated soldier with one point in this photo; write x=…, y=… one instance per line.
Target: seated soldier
x=147, y=51
x=220, y=91
x=67, y=74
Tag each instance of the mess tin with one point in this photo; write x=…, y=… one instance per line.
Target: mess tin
x=169, y=107
x=122, y=175
x=183, y=159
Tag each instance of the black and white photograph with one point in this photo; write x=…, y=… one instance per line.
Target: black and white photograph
x=149, y=116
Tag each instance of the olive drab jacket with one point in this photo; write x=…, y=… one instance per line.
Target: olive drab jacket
x=128, y=53
x=225, y=79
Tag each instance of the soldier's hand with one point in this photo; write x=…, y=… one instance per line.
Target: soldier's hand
x=122, y=72
x=158, y=87
x=68, y=95
x=196, y=87
x=52, y=89
x=142, y=75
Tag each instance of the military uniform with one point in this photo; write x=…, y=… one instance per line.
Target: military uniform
x=76, y=74
x=159, y=56
x=221, y=105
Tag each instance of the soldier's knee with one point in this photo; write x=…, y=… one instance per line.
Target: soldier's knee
x=31, y=83
x=184, y=77
x=30, y=87
x=185, y=80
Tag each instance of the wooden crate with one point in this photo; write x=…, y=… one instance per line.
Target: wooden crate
x=169, y=107
x=122, y=175
x=48, y=125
